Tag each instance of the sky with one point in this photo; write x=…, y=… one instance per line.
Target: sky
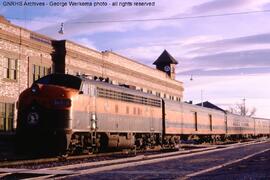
x=224, y=45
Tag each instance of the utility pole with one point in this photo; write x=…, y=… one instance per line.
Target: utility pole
x=202, y=97
x=244, y=106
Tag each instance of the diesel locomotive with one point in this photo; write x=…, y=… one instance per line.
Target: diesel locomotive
x=62, y=112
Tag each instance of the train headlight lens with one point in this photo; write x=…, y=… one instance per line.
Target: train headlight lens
x=35, y=88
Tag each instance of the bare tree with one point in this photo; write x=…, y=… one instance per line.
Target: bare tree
x=241, y=109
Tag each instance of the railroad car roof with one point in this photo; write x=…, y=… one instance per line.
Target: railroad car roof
x=119, y=88
x=238, y=115
x=267, y=119
x=193, y=106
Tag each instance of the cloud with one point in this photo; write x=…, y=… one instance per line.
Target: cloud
x=218, y=5
x=209, y=55
x=258, y=41
x=266, y=6
x=142, y=54
x=90, y=22
x=2, y=10
x=38, y=23
x=84, y=22
x=86, y=42
x=228, y=90
x=224, y=72
x=242, y=60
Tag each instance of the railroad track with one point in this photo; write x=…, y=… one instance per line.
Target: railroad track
x=12, y=160
x=25, y=161
x=73, y=170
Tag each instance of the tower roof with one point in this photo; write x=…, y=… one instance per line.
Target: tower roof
x=165, y=58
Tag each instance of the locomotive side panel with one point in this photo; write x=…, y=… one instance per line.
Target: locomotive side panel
x=124, y=110
x=81, y=112
x=118, y=116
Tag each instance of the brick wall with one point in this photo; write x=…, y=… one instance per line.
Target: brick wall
x=16, y=43
x=119, y=69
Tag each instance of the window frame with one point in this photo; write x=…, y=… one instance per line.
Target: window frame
x=7, y=113
x=10, y=68
x=37, y=69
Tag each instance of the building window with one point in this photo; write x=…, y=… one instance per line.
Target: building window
x=196, y=121
x=158, y=94
x=172, y=98
x=116, y=108
x=134, y=111
x=165, y=96
x=139, y=111
x=40, y=71
x=6, y=116
x=149, y=91
x=10, y=68
x=210, y=122
x=127, y=110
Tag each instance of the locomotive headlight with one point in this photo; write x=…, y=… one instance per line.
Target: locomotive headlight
x=34, y=88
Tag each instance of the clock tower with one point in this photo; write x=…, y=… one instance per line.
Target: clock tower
x=166, y=63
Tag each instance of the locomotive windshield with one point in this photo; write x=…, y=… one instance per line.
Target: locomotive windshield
x=65, y=80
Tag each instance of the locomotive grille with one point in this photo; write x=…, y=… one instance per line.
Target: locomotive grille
x=106, y=93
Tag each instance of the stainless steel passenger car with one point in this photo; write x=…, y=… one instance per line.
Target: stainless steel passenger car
x=240, y=125
x=262, y=126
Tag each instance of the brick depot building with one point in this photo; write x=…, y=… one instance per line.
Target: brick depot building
x=26, y=56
